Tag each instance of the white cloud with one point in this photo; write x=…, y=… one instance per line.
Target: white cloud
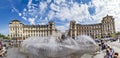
x=62, y=10
x=110, y=7
x=68, y=10
x=50, y=15
x=59, y=1
x=42, y=6
x=80, y=12
x=29, y=4
x=63, y=14
x=48, y=1
x=24, y=17
x=54, y=7
x=16, y=10
x=19, y=14
x=31, y=20
x=63, y=28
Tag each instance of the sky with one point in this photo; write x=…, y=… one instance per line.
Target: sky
x=59, y=11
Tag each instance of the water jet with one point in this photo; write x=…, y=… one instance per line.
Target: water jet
x=66, y=47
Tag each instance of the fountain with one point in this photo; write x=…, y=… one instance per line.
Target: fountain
x=51, y=47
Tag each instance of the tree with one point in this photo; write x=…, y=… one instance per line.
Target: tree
x=113, y=35
x=3, y=36
x=118, y=33
x=98, y=36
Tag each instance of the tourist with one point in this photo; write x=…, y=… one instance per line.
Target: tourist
x=107, y=55
x=111, y=52
x=1, y=53
x=108, y=47
x=103, y=46
x=115, y=55
x=100, y=47
x=4, y=49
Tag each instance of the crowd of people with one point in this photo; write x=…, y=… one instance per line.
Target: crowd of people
x=109, y=51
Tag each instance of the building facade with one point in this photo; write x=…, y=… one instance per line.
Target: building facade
x=19, y=30
x=104, y=29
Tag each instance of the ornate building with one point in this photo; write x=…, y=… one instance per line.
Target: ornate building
x=19, y=30
x=104, y=29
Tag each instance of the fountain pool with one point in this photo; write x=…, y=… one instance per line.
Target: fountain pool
x=51, y=47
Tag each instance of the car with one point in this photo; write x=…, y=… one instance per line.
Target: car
x=97, y=40
x=113, y=40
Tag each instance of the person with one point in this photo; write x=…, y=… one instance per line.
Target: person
x=1, y=53
x=107, y=55
x=99, y=47
x=115, y=55
x=4, y=49
x=111, y=52
x=103, y=46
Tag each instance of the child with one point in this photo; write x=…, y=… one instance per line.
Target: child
x=115, y=55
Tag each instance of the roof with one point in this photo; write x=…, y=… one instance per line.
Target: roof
x=107, y=17
x=88, y=24
x=15, y=20
x=35, y=26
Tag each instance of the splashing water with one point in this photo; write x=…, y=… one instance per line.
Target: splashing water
x=50, y=47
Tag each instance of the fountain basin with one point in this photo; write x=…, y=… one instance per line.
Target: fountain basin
x=50, y=47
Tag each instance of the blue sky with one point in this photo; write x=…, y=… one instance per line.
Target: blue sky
x=59, y=11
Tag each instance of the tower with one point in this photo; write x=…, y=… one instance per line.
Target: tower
x=72, y=29
x=15, y=29
x=108, y=26
x=51, y=27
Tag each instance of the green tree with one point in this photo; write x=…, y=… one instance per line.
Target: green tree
x=98, y=36
x=4, y=36
x=113, y=35
x=118, y=33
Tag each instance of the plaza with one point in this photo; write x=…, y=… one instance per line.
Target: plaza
x=23, y=32
x=14, y=52
x=59, y=29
